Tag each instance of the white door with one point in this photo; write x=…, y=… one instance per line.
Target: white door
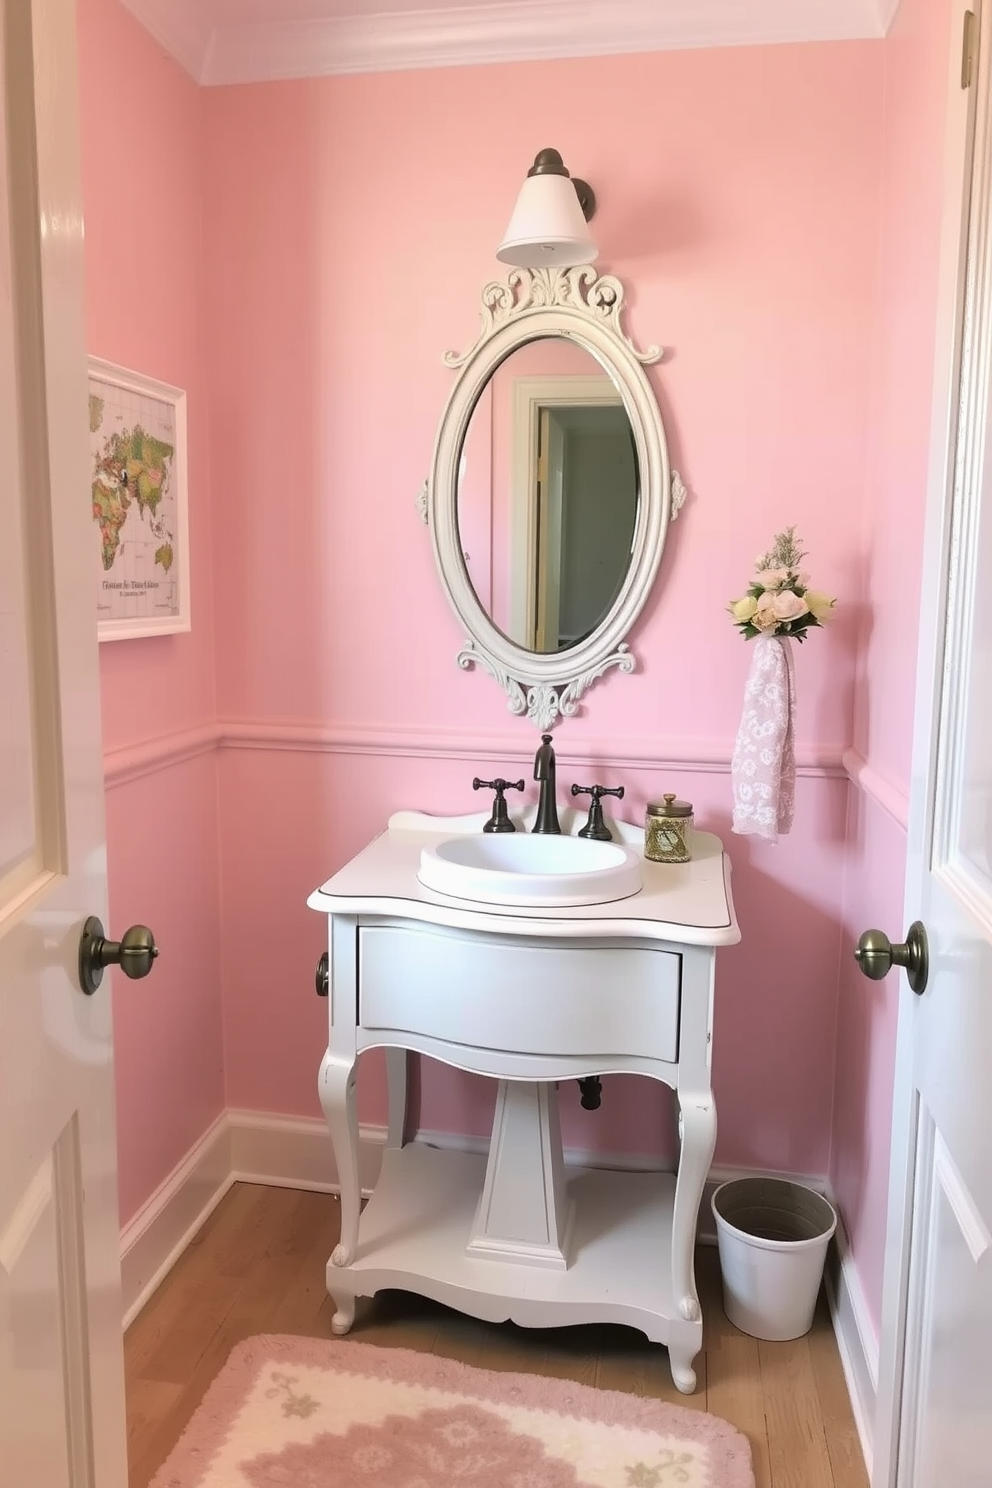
x=934, y=1424
x=61, y=1376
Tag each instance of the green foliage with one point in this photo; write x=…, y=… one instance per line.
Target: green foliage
x=794, y=628
x=785, y=552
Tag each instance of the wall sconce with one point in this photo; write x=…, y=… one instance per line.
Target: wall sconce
x=548, y=226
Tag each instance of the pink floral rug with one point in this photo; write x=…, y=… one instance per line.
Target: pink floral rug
x=316, y=1413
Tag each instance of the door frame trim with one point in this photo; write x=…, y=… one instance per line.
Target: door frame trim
x=530, y=394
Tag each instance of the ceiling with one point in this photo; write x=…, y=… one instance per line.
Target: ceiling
x=242, y=41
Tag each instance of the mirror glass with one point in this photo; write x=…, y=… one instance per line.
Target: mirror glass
x=548, y=495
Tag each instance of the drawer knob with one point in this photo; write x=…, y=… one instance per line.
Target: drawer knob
x=322, y=979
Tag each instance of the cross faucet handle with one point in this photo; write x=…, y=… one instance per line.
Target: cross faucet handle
x=596, y=827
x=500, y=819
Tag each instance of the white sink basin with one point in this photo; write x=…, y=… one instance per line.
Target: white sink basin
x=522, y=869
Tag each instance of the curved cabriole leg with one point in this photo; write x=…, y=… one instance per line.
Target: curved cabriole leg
x=344, y=1316
x=683, y=1373
x=336, y=1087
x=697, y=1128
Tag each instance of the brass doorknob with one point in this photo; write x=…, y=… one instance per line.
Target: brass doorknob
x=876, y=955
x=133, y=953
x=322, y=978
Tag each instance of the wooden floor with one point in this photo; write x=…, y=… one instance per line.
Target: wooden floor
x=257, y=1266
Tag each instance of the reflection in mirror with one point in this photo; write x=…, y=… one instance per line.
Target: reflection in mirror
x=548, y=494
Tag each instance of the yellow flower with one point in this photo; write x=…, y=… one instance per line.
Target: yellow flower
x=743, y=609
x=820, y=605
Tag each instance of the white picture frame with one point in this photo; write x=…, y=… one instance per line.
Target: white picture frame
x=141, y=544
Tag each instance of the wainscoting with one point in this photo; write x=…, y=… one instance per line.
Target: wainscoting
x=294, y=1152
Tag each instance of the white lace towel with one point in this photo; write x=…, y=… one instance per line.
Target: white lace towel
x=764, y=765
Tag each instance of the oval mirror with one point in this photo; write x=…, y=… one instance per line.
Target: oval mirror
x=550, y=490
x=548, y=495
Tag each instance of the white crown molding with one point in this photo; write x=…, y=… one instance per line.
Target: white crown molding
x=183, y=27
x=295, y=45
x=886, y=14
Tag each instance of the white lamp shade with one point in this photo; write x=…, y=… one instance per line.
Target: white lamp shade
x=547, y=229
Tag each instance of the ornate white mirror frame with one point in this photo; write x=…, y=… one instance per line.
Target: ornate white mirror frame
x=583, y=307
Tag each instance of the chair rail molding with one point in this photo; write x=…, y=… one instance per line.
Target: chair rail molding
x=146, y=756
x=694, y=756
x=892, y=798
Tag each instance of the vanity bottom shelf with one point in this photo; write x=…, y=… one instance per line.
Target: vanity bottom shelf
x=417, y=1223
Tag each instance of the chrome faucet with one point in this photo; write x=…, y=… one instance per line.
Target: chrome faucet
x=544, y=771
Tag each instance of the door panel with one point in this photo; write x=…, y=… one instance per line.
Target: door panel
x=45, y=1331
x=61, y=1369
x=935, y=1384
x=973, y=827
x=948, y=1285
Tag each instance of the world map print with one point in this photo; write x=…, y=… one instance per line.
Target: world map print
x=134, y=505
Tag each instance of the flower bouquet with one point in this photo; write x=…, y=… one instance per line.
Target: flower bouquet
x=779, y=606
x=779, y=601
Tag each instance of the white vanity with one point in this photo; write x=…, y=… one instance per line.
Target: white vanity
x=528, y=994
x=540, y=958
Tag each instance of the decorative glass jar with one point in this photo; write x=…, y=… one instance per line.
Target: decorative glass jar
x=668, y=831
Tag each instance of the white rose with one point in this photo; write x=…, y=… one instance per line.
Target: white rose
x=788, y=605
x=819, y=605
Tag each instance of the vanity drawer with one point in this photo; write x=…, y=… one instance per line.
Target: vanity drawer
x=523, y=997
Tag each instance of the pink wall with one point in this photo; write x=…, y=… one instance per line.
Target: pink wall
x=143, y=194
x=162, y=862
x=891, y=536
x=750, y=249
x=338, y=256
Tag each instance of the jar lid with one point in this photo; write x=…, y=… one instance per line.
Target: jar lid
x=670, y=807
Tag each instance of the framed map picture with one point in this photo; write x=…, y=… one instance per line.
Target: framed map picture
x=138, y=500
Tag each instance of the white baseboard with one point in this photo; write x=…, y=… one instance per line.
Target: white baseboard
x=156, y=1236
x=294, y=1152
x=857, y=1341
x=239, y=1147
